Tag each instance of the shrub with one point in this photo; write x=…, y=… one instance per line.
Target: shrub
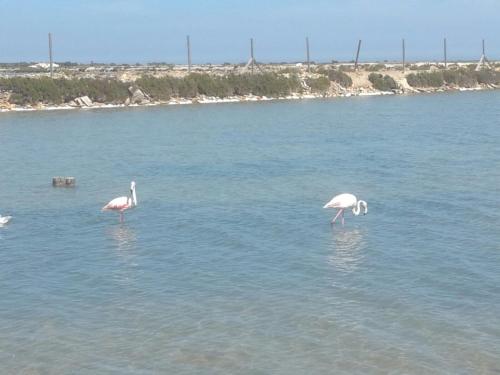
x=425, y=79
x=346, y=68
x=420, y=67
x=460, y=77
x=340, y=77
x=56, y=91
x=488, y=77
x=374, y=67
x=382, y=82
x=321, y=70
x=321, y=84
x=289, y=69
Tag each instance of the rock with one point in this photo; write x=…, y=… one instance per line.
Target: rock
x=127, y=102
x=72, y=104
x=138, y=96
x=63, y=182
x=83, y=101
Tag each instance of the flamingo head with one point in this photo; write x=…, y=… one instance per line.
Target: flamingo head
x=365, y=207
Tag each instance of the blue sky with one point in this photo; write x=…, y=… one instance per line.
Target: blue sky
x=154, y=30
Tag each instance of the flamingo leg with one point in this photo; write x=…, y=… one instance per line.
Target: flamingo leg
x=121, y=217
x=342, y=217
x=338, y=214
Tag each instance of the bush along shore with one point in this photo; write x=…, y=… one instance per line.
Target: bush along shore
x=31, y=93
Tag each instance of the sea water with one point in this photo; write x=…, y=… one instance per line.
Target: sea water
x=229, y=264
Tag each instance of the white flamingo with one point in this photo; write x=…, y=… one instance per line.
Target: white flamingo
x=121, y=204
x=4, y=220
x=344, y=201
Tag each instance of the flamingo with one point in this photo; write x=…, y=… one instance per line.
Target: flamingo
x=344, y=201
x=123, y=203
x=4, y=220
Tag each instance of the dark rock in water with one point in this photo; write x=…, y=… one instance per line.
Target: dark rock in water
x=63, y=181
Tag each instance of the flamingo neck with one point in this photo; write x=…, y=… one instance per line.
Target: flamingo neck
x=134, y=197
x=357, y=208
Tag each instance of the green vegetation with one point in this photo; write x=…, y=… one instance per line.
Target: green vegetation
x=382, y=82
x=488, y=77
x=31, y=91
x=461, y=77
x=346, y=68
x=319, y=85
x=288, y=69
x=374, y=67
x=340, y=77
x=425, y=79
x=265, y=84
x=420, y=67
x=321, y=70
x=57, y=91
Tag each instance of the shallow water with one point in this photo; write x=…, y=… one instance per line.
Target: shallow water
x=229, y=263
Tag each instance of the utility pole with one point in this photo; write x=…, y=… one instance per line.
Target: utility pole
x=307, y=54
x=50, y=57
x=251, y=54
x=188, y=42
x=483, y=61
x=252, y=62
x=357, y=55
x=445, y=54
x=404, y=55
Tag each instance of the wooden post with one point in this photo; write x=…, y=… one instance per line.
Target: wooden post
x=307, y=55
x=188, y=53
x=251, y=54
x=357, y=56
x=50, y=57
x=404, y=55
x=445, y=54
x=483, y=57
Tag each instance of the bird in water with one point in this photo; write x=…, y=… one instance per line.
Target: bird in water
x=345, y=201
x=121, y=204
x=4, y=220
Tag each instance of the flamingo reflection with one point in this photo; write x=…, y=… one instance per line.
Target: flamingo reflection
x=347, y=250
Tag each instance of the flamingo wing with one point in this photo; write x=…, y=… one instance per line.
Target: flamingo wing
x=341, y=201
x=119, y=203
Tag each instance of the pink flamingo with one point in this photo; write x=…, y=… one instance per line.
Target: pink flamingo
x=123, y=203
x=344, y=201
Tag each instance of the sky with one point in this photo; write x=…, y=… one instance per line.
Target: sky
x=126, y=31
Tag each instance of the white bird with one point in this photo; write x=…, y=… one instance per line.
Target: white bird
x=121, y=204
x=4, y=219
x=344, y=201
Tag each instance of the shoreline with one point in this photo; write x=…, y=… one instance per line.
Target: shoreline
x=240, y=99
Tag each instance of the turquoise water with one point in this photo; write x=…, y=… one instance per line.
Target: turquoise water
x=229, y=263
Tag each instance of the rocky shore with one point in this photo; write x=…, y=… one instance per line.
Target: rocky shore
x=83, y=103
x=316, y=83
